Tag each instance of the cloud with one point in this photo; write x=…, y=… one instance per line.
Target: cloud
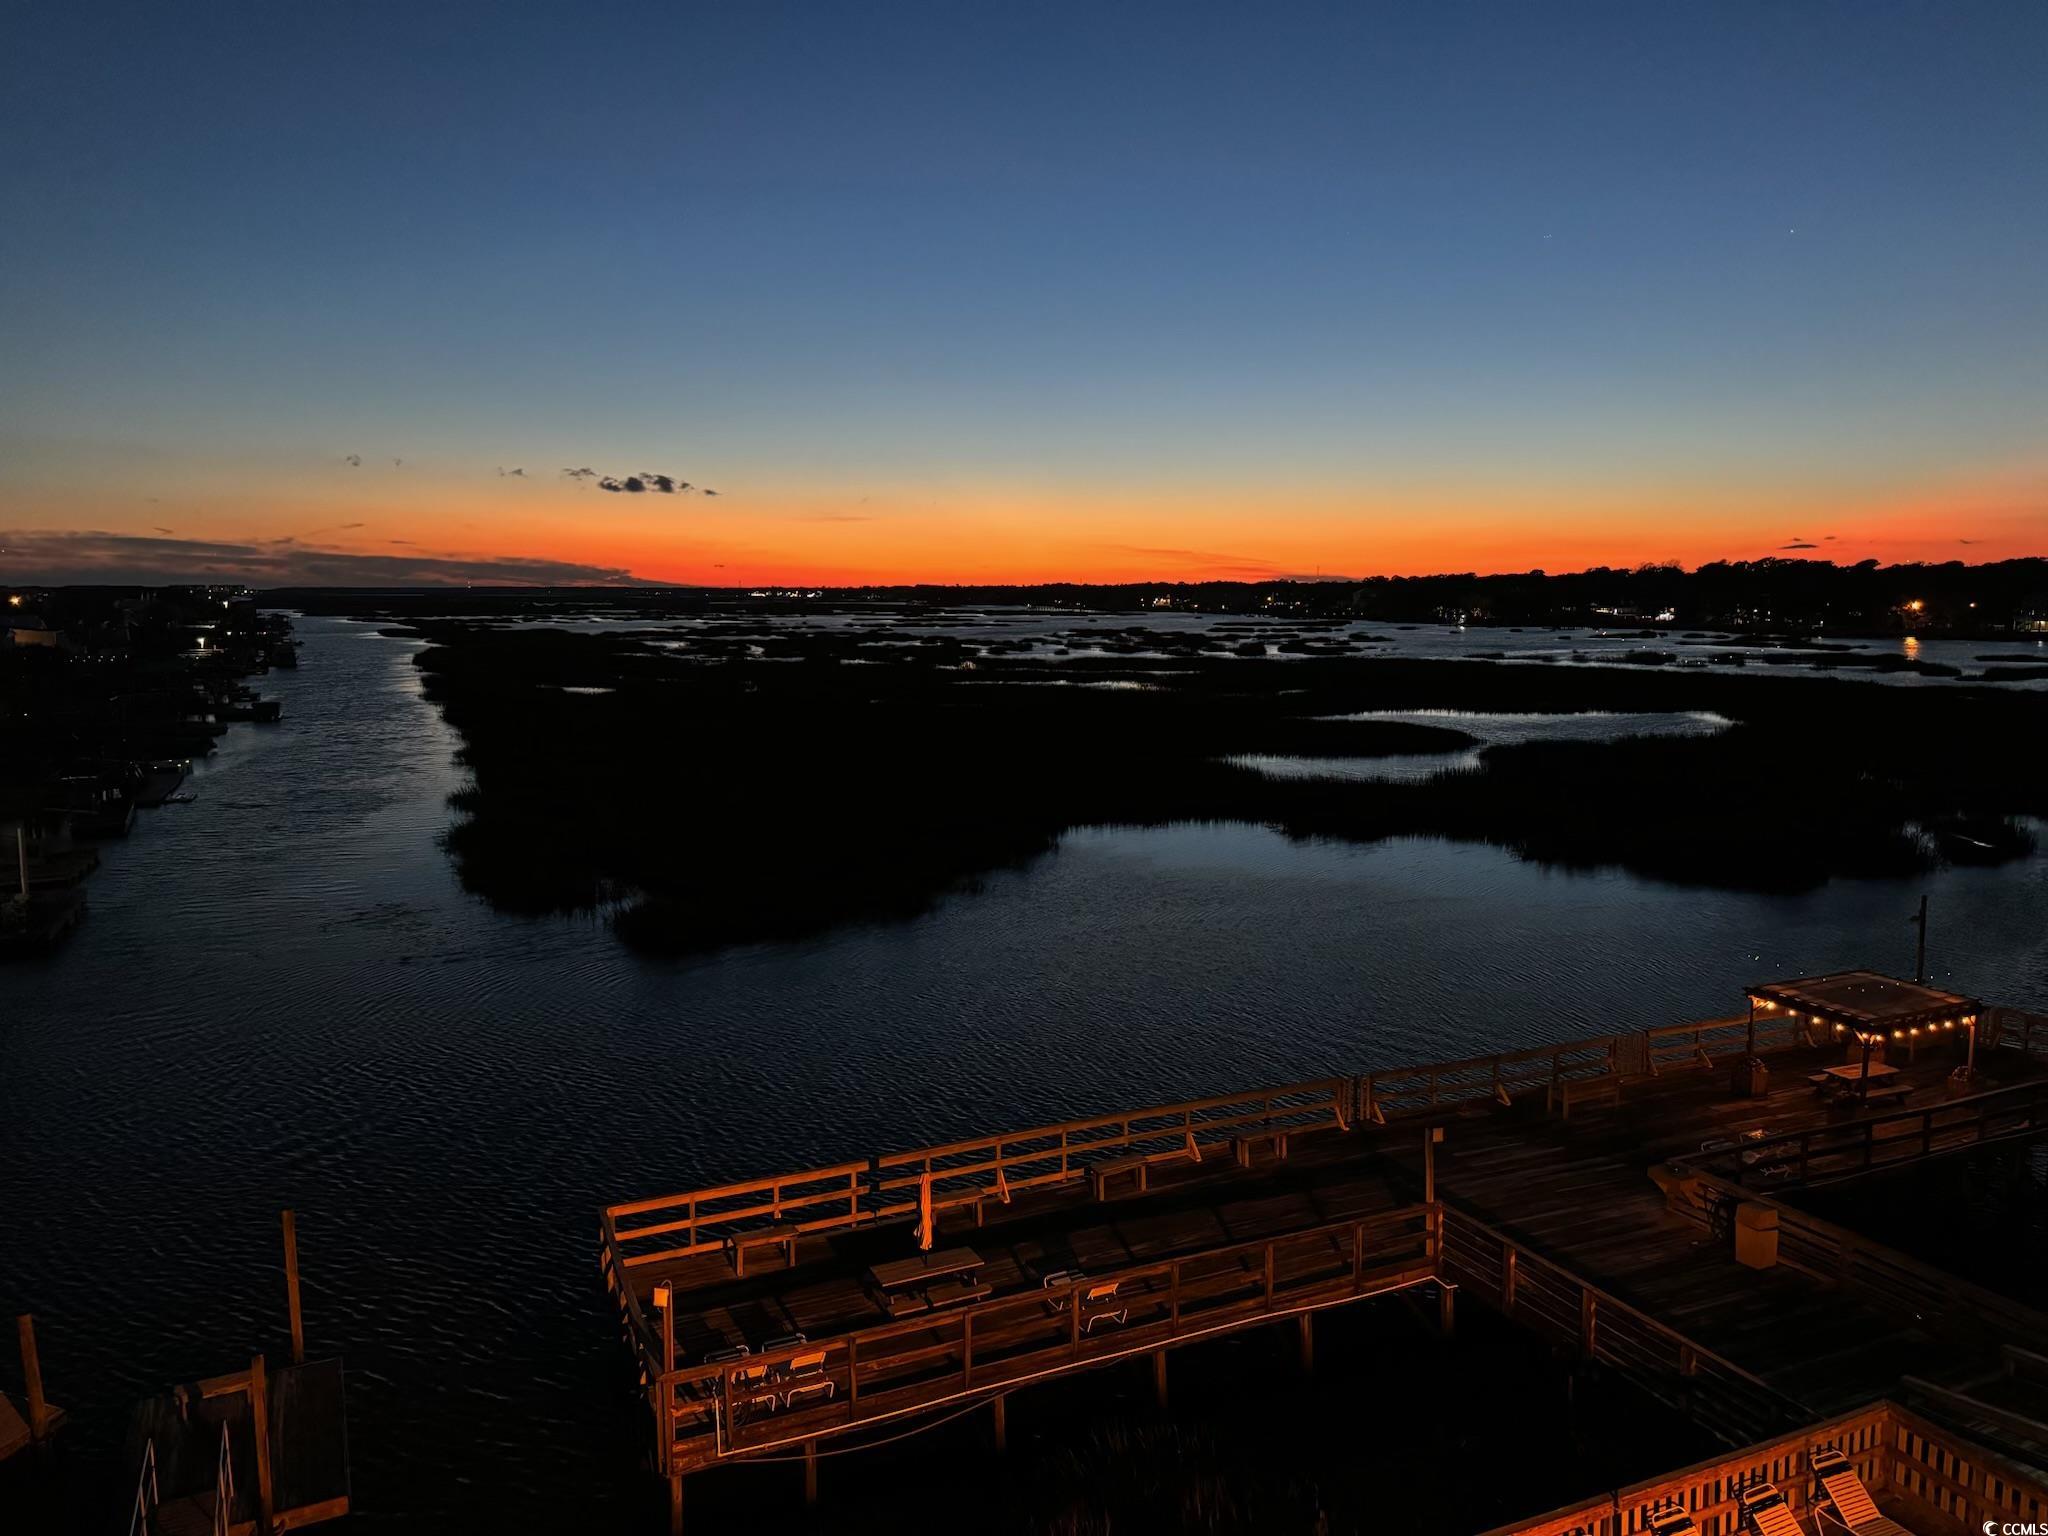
x=353, y=460
x=1969, y=541
x=167, y=530
x=84, y=558
x=518, y=474
x=1212, y=563
x=1799, y=544
x=645, y=480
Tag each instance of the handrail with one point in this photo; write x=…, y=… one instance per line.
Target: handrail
x=224, y=1488
x=1865, y=1139
x=1593, y=1318
x=997, y=1166
x=146, y=1496
x=978, y=1168
x=1836, y=1256
x=1902, y=1456
x=1184, y=1297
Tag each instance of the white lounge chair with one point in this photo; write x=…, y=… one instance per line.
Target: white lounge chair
x=1765, y=1512
x=1848, y=1504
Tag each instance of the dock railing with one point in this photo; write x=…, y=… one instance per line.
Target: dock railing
x=1937, y=1479
x=917, y=1364
x=2014, y=1029
x=1895, y=1282
x=994, y=1167
x=1823, y=1152
x=1504, y=1076
x=1734, y=1403
x=705, y=1220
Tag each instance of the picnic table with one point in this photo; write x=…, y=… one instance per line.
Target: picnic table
x=1855, y=1072
x=942, y=1279
x=903, y=1274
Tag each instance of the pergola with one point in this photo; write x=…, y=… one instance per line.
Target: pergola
x=1871, y=1007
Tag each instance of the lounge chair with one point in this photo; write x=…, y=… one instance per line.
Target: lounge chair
x=1847, y=1504
x=1056, y=1281
x=1765, y=1512
x=1672, y=1522
x=1099, y=1304
x=807, y=1379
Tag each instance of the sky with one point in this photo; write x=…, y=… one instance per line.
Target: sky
x=339, y=292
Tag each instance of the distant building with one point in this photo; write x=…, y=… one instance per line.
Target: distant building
x=25, y=628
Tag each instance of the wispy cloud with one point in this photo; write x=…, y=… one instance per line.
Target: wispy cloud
x=1207, y=562
x=60, y=557
x=1799, y=544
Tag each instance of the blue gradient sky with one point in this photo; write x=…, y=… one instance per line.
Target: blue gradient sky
x=972, y=290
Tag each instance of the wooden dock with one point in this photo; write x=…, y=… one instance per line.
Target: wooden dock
x=1588, y=1190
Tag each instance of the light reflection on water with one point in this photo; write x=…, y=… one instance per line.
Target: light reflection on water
x=283, y=997
x=1490, y=729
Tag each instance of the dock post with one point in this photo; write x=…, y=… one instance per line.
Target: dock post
x=810, y=1473
x=1447, y=1308
x=1430, y=1138
x=1000, y=1403
x=675, y=1504
x=1307, y=1322
x=291, y=1287
x=1159, y=1377
x=32, y=1376
x=259, y=1424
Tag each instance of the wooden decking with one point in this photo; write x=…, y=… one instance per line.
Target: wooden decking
x=1229, y=1213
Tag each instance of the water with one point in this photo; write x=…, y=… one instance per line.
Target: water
x=283, y=997
x=1488, y=729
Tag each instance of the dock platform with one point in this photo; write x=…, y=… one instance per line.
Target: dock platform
x=1589, y=1190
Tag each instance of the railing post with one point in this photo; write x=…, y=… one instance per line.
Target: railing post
x=1589, y=1311
x=1173, y=1299
x=852, y=1374
x=291, y=1287
x=259, y=1424
x=32, y=1377
x=1357, y=1256
x=1074, y=1318
x=1269, y=1274
x=1507, y=1278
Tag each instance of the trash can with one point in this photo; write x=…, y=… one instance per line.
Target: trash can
x=1752, y=1079
x=1756, y=1235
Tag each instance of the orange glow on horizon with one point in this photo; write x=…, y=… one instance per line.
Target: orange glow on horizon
x=1041, y=533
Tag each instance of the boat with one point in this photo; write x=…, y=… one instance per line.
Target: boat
x=157, y=782
x=34, y=925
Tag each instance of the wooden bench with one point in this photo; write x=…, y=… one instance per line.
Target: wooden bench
x=900, y=1304
x=1246, y=1144
x=1885, y=1093
x=1138, y=1166
x=780, y=1236
x=956, y=1291
x=1576, y=1091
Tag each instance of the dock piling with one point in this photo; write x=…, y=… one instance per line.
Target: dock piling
x=32, y=1375
x=1307, y=1322
x=1000, y=1403
x=1159, y=1377
x=291, y=1287
x=810, y=1474
x=259, y=1428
